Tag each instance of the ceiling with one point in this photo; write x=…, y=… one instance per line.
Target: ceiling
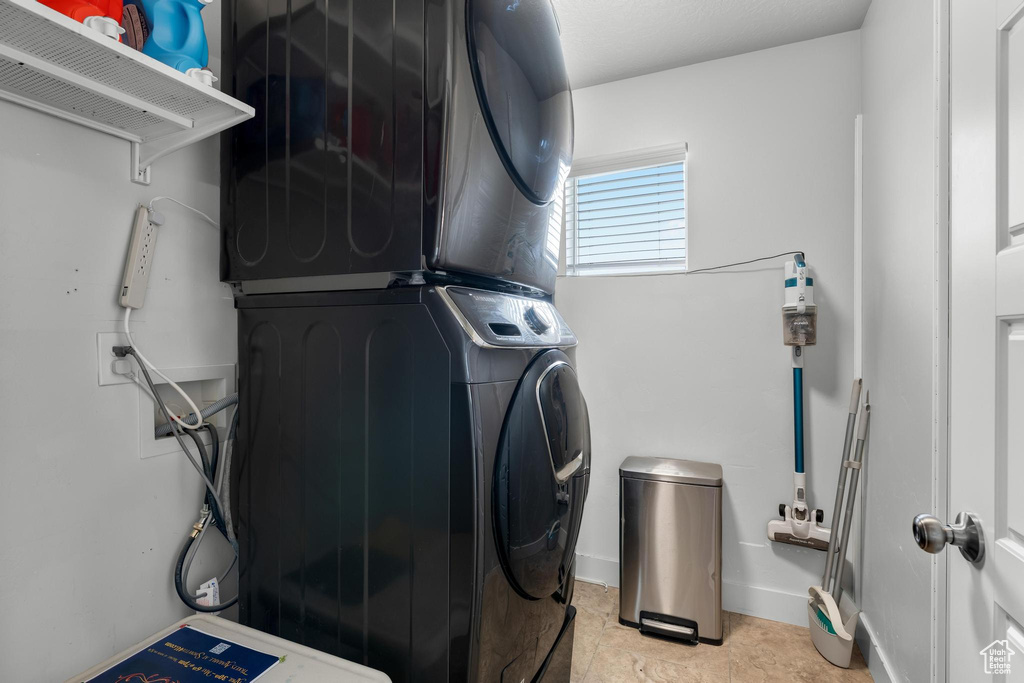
x=606, y=40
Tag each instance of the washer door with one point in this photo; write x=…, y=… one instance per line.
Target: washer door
x=542, y=470
x=521, y=82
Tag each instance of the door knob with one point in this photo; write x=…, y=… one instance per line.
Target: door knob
x=932, y=535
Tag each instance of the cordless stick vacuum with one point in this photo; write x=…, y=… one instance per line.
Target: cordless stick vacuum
x=799, y=317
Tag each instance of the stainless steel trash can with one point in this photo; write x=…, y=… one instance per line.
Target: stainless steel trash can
x=670, y=548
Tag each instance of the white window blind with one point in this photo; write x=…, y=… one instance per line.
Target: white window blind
x=629, y=220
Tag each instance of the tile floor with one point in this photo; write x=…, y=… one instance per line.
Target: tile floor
x=754, y=650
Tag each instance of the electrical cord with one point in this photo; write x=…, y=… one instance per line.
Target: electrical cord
x=129, y=351
x=213, y=511
x=210, y=517
x=154, y=200
x=212, y=473
x=741, y=263
x=209, y=466
x=191, y=548
x=180, y=567
x=143, y=361
x=145, y=388
x=131, y=342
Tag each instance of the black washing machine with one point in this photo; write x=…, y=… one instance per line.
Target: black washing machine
x=394, y=138
x=410, y=480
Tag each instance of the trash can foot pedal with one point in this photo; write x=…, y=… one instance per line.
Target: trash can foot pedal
x=668, y=627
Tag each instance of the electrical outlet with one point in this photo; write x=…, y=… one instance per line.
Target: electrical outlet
x=204, y=384
x=105, y=359
x=140, y=260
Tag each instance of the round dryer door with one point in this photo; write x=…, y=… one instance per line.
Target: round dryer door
x=542, y=471
x=521, y=82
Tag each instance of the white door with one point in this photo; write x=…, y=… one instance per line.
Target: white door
x=986, y=380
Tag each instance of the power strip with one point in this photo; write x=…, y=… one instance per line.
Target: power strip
x=140, y=260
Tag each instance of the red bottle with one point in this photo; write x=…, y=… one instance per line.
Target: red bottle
x=82, y=10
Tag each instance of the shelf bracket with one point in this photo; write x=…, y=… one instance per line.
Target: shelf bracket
x=143, y=158
x=140, y=174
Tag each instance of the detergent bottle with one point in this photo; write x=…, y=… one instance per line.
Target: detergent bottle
x=177, y=37
x=101, y=15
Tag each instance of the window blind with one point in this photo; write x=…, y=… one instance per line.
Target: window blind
x=626, y=221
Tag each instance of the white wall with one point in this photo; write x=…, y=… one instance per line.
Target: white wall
x=694, y=366
x=90, y=530
x=901, y=252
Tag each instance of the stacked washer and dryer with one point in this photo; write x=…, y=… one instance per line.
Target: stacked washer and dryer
x=413, y=446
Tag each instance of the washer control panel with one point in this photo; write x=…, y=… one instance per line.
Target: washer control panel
x=507, y=320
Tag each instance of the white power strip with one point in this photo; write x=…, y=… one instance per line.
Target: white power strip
x=140, y=260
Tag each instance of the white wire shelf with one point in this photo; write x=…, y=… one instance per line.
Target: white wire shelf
x=56, y=65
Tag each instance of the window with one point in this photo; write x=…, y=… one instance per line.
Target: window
x=627, y=215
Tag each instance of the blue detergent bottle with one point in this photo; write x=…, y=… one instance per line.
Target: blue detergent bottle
x=176, y=33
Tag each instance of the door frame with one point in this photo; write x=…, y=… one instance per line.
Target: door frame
x=941, y=348
x=941, y=239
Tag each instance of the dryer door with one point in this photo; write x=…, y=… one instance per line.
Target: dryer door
x=542, y=470
x=521, y=82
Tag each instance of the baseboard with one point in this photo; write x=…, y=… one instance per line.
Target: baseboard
x=875, y=657
x=597, y=570
x=766, y=603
